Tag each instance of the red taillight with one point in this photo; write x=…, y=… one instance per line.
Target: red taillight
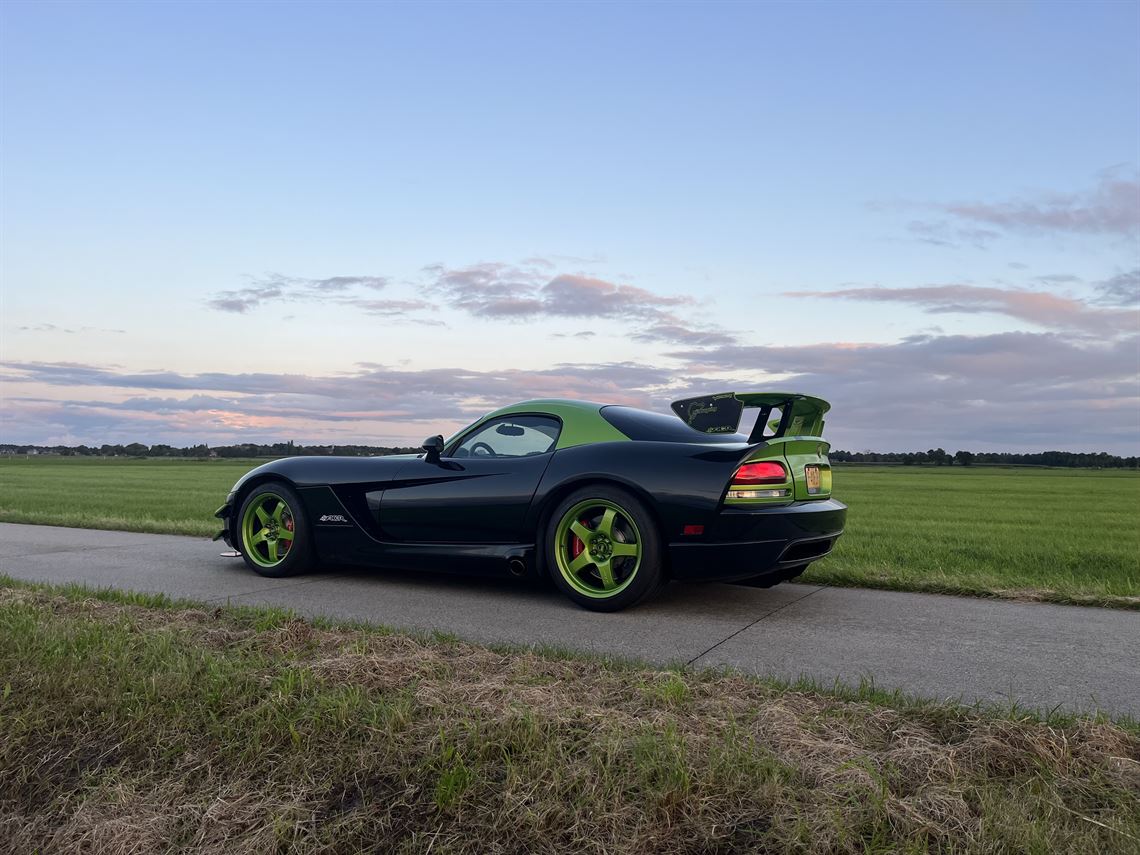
x=760, y=473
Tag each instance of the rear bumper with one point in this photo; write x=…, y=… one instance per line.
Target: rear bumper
x=747, y=542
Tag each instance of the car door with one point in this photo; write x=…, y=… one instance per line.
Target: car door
x=480, y=489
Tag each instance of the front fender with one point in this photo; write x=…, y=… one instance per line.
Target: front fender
x=302, y=473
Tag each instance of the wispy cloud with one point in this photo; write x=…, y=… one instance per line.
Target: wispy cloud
x=1038, y=307
x=674, y=332
x=1111, y=207
x=504, y=291
x=938, y=233
x=54, y=328
x=1120, y=290
x=343, y=283
x=585, y=297
x=392, y=308
x=496, y=291
x=275, y=287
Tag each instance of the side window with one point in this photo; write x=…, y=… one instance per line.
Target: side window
x=510, y=436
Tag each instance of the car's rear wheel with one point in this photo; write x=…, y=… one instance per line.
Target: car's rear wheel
x=603, y=549
x=273, y=532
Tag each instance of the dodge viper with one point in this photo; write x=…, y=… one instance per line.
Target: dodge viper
x=609, y=501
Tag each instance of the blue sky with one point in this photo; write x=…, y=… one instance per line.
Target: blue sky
x=354, y=222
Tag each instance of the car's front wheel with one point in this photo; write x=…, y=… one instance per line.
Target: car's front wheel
x=603, y=549
x=273, y=532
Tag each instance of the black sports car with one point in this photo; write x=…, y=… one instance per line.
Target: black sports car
x=610, y=501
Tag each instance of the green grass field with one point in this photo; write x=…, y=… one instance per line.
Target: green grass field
x=1070, y=535
x=133, y=724
x=1063, y=535
x=162, y=496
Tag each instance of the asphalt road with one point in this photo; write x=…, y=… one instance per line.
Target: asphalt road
x=1041, y=656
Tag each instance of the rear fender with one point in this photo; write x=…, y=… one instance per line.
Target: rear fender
x=683, y=484
x=800, y=452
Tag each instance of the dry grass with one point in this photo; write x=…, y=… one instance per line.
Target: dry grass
x=126, y=728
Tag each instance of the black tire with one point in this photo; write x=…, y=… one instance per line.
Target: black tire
x=647, y=576
x=300, y=555
x=770, y=580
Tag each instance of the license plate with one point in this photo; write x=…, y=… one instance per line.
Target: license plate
x=813, y=481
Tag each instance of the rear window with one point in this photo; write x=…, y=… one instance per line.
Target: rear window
x=658, y=427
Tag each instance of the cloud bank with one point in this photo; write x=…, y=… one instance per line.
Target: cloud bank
x=1008, y=391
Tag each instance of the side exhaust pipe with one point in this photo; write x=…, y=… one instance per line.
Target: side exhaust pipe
x=517, y=566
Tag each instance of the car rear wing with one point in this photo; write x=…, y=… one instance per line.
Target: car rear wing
x=800, y=415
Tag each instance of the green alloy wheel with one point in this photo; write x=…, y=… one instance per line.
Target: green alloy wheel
x=603, y=549
x=274, y=539
x=267, y=530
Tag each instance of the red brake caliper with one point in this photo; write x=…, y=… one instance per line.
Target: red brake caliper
x=288, y=523
x=576, y=545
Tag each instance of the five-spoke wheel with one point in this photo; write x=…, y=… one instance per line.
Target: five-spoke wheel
x=274, y=539
x=602, y=548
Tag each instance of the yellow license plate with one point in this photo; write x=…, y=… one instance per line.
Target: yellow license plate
x=813, y=480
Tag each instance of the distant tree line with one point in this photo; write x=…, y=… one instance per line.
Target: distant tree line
x=245, y=449
x=935, y=456
x=939, y=457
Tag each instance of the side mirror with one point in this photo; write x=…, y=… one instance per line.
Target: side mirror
x=433, y=446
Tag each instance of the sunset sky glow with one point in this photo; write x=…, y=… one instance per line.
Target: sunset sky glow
x=368, y=223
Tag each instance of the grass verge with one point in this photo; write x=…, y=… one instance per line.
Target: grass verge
x=133, y=724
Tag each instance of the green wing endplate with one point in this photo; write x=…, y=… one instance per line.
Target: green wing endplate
x=800, y=415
